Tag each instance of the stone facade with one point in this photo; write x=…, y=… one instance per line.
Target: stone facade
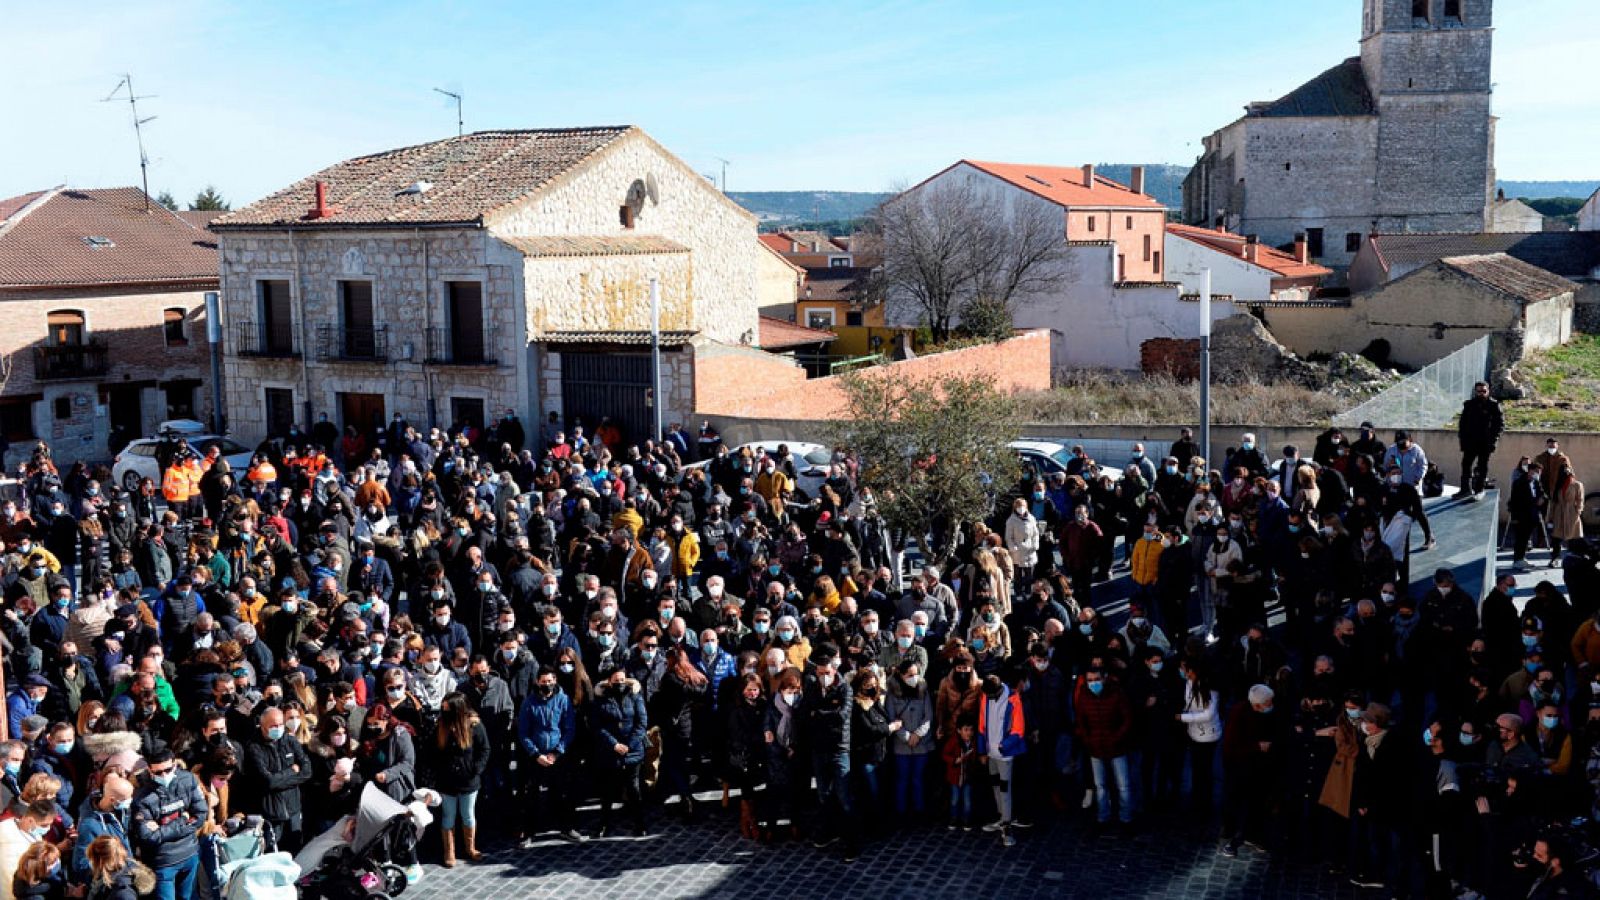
x=147, y=378
x=1411, y=149
x=707, y=276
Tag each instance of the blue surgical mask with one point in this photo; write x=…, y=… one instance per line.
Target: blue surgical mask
x=1352, y=714
x=1530, y=640
x=13, y=769
x=63, y=748
x=1086, y=627
x=785, y=634
x=1157, y=666
x=1427, y=737
x=1468, y=739
x=508, y=653
x=163, y=780
x=606, y=640
x=1549, y=722
x=903, y=642
x=921, y=630
x=1095, y=687
x=1531, y=666
x=275, y=732
x=648, y=656
x=762, y=626
x=709, y=648
x=978, y=644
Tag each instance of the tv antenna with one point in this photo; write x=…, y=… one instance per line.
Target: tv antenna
x=724, y=172
x=138, y=130
x=456, y=96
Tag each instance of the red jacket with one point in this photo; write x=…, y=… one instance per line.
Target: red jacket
x=1104, y=723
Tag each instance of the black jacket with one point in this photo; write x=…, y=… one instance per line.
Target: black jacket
x=457, y=771
x=827, y=716
x=1381, y=785
x=1481, y=423
x=274, y=778
x=165, y=820
x=618, y=718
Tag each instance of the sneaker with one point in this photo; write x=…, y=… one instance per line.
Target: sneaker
x=1021, y=823
x=997, y=825
x=1006, y=840
x=1363, y=881
x=1229, y=851
x=571, y=836
x=1211, y=637
x=1463, y=494
x=1088, y=798
x=1257, y=846
x=1430, y=545
x=824, y=841
x=952, y=826
x=413, y=873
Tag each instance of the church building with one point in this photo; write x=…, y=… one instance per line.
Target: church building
x=1399, y=139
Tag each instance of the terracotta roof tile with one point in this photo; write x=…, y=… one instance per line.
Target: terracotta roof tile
x=1064, y=185
x=469, y=177
x=92, y=237
x=776, y=334
x=583, y=245
x=1510, y=275
x=1285, y=265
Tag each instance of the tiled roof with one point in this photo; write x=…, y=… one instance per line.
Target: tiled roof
x=1570, y=254
x=200, y=218
x=1064, y=185
x=11, y=205
x=1285, y=265
x=1530, y=284
x=49, y=242
x=636, y=338
x=814, y=242
x=583, y=245
x=833, y=282
x=1340, y=91
x=776, y=334
x=775, y=241
x=470, y=177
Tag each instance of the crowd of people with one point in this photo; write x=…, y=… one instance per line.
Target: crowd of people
x=590, y=635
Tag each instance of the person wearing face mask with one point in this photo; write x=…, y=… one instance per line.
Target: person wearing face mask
x=618, y=722
x=827, y=709
x=957, y=695
x=1374, y=563
x=22, y=848
x=1249, y=457
x=552, y=637
x=275, y=766
x=1224, y=552
x=546, y=730
x=1082, y=544
x=1379, y=796
x=108, y=814
x=168, y=810
x=444, y=632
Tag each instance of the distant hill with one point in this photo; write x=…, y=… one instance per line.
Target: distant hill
x=1161, y=181
x=788, y=208
x=1579, y=189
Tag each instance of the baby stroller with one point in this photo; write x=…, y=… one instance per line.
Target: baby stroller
x=357, y=859
x=244, y=864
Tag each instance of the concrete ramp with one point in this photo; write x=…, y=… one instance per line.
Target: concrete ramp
x=1468, y=533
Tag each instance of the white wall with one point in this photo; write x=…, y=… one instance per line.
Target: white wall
x=1244, y=281
x=1589, y=215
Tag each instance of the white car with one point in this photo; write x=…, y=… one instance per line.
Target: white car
x=137, y=461
x=1047, y=457
x=811, y=461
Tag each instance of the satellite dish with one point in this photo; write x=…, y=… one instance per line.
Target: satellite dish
x=651, y=189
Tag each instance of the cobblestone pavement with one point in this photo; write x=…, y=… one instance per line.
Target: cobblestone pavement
x=709, y=859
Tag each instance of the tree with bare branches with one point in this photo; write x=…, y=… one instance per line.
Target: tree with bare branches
x=956, y=244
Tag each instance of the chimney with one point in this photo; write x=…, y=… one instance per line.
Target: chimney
x=1302, y=249
x=1500, y=194
x=1136, y=180
x=1252, y=245
x=320, y=210
x=1088, y=175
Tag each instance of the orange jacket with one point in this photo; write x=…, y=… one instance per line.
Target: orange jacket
x=175, y=484
x=1012, y=739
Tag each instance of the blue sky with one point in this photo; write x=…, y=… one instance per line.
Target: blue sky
x=846, y=96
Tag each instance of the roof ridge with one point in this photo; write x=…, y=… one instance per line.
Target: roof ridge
x=44, y=197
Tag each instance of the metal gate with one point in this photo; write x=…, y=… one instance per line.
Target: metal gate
x=614, y=385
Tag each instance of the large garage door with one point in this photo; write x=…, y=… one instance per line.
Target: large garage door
x=597, y=385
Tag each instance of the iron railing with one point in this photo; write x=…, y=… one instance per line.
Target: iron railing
x=272, y=340
x=65, y=361
x=341, y=344
x=446, y=346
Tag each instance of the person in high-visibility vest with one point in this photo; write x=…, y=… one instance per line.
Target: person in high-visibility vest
x=175, y=486
x=193, y=471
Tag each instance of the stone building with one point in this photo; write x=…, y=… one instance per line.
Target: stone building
x=102, y=294
x=449, y=281
x=1573, y=255
x=1589, y=213
x=1437, y=309
x=1398, y=139
x=1510, y=215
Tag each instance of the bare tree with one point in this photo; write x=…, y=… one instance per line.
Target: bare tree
x=950, y=245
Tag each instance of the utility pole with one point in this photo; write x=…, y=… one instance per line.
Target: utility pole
x=724, y=172
x=655, y=354
x=456, y=96
x=138, y=131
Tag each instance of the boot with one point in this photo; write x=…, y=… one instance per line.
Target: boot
x=747, y=820
x=449, y=838
x=471, y=837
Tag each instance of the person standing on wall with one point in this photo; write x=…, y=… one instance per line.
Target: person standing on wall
x=1479, y=431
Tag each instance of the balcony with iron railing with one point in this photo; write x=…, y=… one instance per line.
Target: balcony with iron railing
x=337, y=343
x=61, y=362
x=447, y=346
x=272, y=340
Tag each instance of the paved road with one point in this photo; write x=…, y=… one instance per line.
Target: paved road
x=709, y=859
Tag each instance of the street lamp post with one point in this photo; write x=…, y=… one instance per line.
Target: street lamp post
x=655, y=355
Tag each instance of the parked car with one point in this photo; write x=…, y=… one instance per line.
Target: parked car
x=1045, y=457
x=811, y=462
x=137, y=461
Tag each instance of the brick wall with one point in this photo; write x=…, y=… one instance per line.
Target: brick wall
x=738, y=384
x=1177, y=357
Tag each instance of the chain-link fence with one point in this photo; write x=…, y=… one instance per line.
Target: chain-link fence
x=1429, y=399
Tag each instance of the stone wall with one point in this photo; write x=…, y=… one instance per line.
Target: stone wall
x=721, y=236
x=130, y=323
x=608, y=293
x=409, y=272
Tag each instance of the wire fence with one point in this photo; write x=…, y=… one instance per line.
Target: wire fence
x=1431, y=398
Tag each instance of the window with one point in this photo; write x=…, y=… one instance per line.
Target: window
x=180, y=399
x=625, y=214
x=172, y=327
x=839, y=262
x=466, y=321
x=1122, y=267
x=1314, y=242
x=852, y=319
x=355, y=312
x=63, y=407
x=1130, y=223
x=466, y=411
x=819, y=318
x=279, y=405
x=1452, y=9
x=1156, y=265
x=1352, y=242
x=66, y=328
x=277, y=319
x=1288, y=167
x=16, y=420
x=1419, y=9
x=1147, y=248
x=1091, y=223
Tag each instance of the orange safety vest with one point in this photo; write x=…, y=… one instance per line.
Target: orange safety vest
x=264, y=473
x=193, y=472
x=175, y=484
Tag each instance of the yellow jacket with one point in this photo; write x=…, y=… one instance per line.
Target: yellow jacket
x=630, y=519
x=175, y=484
x=772, y=485
x=1146, y=562
x=688, y=555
